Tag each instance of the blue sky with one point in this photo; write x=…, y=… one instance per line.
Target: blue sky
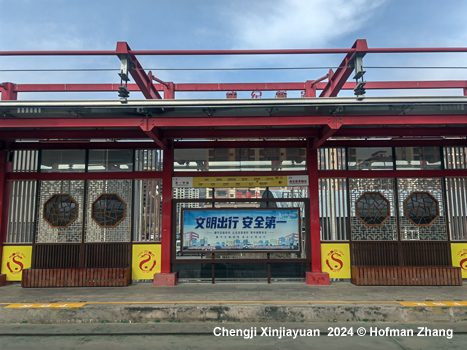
x=241, y=24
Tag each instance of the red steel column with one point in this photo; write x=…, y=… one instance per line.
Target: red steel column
x=8, y=92
x=3, y=206
x=166, y=277
x=316, y=276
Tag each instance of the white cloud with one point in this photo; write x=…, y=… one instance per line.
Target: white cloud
x=300, y=23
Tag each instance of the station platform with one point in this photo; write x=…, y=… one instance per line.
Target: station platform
x=233, y=302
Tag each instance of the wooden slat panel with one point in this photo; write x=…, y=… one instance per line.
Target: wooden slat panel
x=404, y=276
x=80, y=277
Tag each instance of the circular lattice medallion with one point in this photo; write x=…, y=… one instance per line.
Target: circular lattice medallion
x=373, y=209
x=421, y=208
x=60, y=211
x=108, y=210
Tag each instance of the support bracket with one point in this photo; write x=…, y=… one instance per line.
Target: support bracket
x=338, y=78
x=334, y=124
x=137, y=72
x=155, y=133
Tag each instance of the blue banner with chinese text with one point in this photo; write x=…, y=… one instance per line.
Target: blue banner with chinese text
x=240, y=230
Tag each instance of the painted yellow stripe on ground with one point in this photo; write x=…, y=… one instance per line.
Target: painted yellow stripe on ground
x=244, y=302
x=434, y=303
x=42, y=305
x=76, y=305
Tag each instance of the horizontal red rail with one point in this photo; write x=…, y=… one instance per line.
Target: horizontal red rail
x=232, y=52
x=202, y=87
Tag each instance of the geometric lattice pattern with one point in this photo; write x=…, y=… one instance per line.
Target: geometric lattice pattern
x=60, y=211
x=147, y=210
x=373, y=217
x=373, y=209
x=421, y=208
x=110, y=202
x=417, y=198
x=108, y=210
x=68, y=230
x=333, y=210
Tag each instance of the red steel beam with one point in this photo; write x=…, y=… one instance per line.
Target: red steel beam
x=72, y=134
x=177, y=52
x=168, y=133
x=206, y=87
x=416, y=142
x=240, y=133
x=237, y=173
x=63, y=144
x=158, y=175
x=377, y=132
x=338, y=79
x=8, y=91
x=87, y=176
x=392, y=173
x=167, y=196
x=224, y=133
x=313, y=195
x=71, y=123
x=243, y=121
x=239, y=144
x=137, y=72
x=327, y=131
x=420, y=142
x=4, y=199
x=154, y=133
x=231, y=52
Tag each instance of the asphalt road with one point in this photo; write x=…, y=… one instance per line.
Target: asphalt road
x=196, y=336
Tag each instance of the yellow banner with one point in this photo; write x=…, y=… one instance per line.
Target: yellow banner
x=459, y=256
x=146, y=261
x=335, y=259
x=240, y=181
x=14, y=260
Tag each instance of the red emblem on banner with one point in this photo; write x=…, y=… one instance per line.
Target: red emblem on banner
x=463, y=262
x=14, y=263
x=333, y=261
x=148, y=261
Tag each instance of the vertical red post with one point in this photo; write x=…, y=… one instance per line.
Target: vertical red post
x=3, y=206
x=169, y=91
x=9, y=93
x=166, y=277
x=316, y=276
x=310, y=89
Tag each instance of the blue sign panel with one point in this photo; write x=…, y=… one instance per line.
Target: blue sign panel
x=240, y=230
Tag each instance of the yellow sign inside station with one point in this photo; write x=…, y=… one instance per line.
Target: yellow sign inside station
x=240, y=181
